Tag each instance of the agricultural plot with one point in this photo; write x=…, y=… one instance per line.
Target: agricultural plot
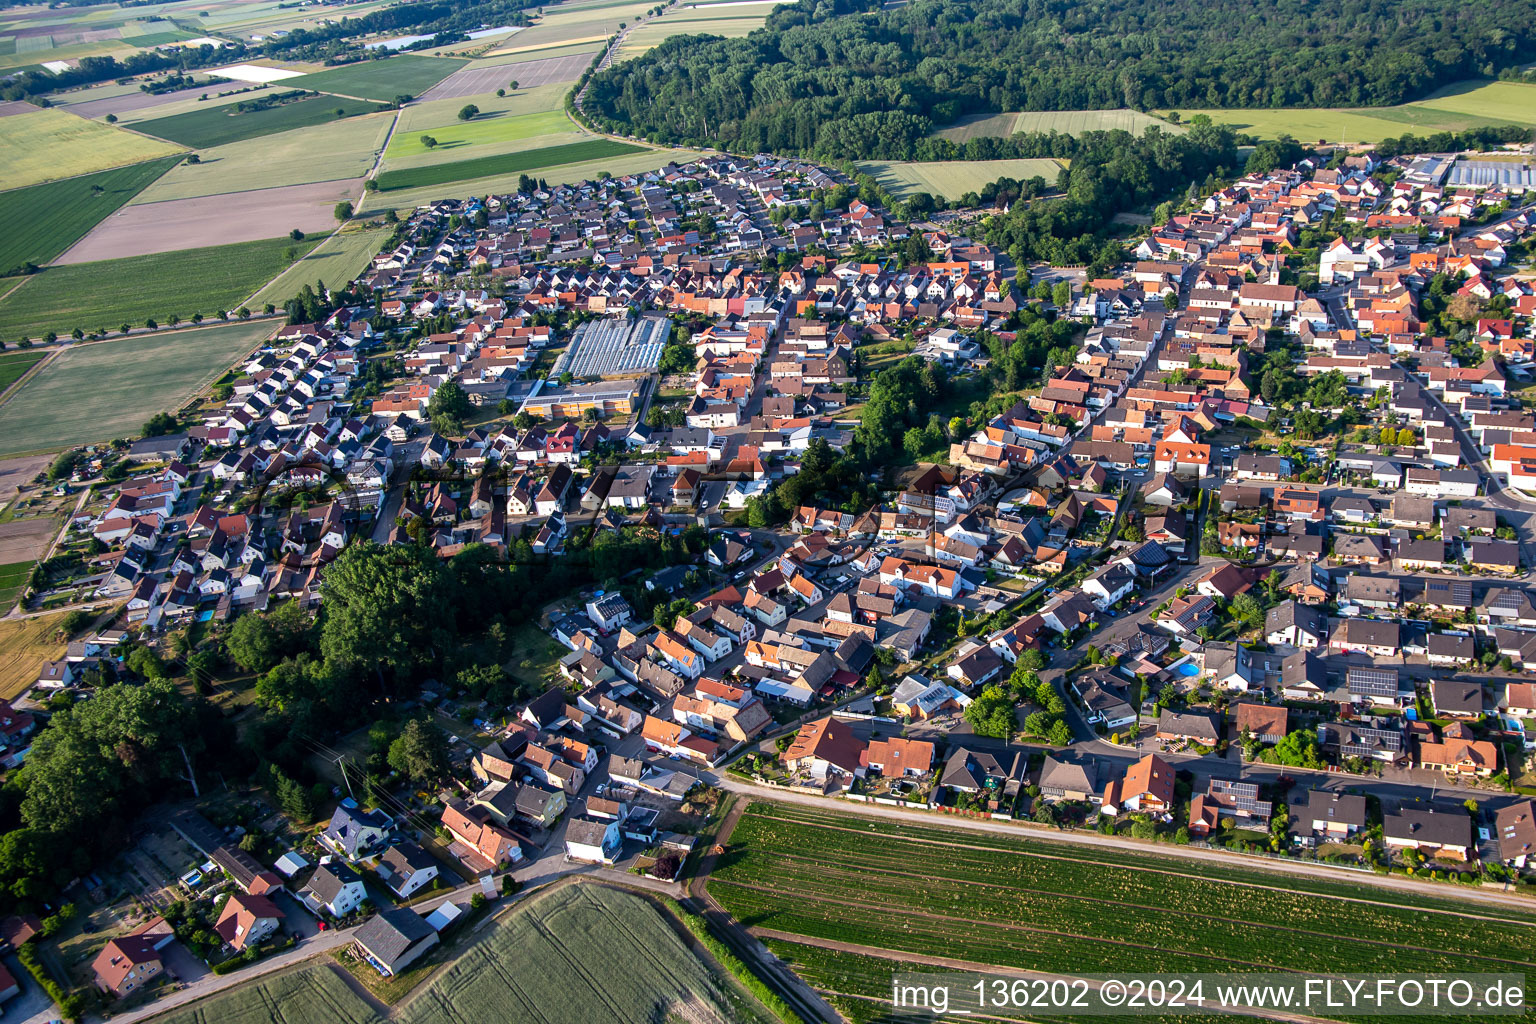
x=526, y=54
x=728, y=23
x=96, y=392
x=509, y=163
x=1039, y=906
x=218, y=126
x=47, y=145
x=107, y=293
x=313, y=995
x=419, y=117
x=481, y=131
x=128, y=104
x=39, y=222
x=561, y=25
x=338, y=259
x=406, y=74
x=1454, y=108
x=581, y=953
x=481, y=78
x=644, y=160
x=24, y=645
x=954, y=178
x=1065, y=122
x=344, y=150
x=14, y=365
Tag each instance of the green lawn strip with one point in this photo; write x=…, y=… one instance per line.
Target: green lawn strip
x=13, y=579
x=39, y=222
x=106, y=293
x=218, y=126
x=406, y=74
x=13, y=366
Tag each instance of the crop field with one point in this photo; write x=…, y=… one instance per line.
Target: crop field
x=50, y=144
x=219, y=126
x=303, y=156
x=732, y=24
x=24, y=645
x=1457, y=107
x=481, y=131
x=100, y=391
x=107, y=293
x=39, y=222
x=406, y=74
x=480, y=77
x=511, y=54
x=954, y=178
x=429, y=114
x=562, y=25
x=313, y=995
x=509, y=163
x=14, y=364
x=338, y=259
x=1041, y=906
x=581, y=953
x=635, y=163
x=1065, y=122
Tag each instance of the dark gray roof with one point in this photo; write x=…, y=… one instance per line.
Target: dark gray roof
x=1441, y=828
x=1456, y=696
x=329, y=879
x=390, y=933
x=1345, y=808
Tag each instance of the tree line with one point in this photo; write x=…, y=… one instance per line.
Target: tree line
x=848, y=78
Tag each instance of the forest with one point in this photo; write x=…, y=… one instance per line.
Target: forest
x=846, y=79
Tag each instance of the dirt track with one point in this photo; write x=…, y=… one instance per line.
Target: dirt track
x=213, y=220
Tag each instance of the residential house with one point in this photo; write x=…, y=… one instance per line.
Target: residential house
x=1146, y=786
x=393, y=939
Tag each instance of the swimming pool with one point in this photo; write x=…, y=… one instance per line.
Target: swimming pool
x=1188, y=669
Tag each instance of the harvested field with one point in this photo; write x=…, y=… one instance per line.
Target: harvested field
x=510, y=163
x=311, y=995
x=14, y=365
x=339, y=258
x=582, y=953
x=383, y=80
x=39, y=222
x=26, y=540
x=527, y=74
x=515, y=55
x=46, y=145
x=730, y=24
x=24, y=645
x=1045, y=906
x=17, y=471
x=218, y=126
x=110, y=388
x=954, y=178
x=139, y=100
x=146, y=228
x=561, y=26
x=10, y=108
x=107, y=293
x=330, y=152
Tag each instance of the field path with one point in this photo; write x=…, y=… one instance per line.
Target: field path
x=16, y=385
x=908, y=959
x=378, y=158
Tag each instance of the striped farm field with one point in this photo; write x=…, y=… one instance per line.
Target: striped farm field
x=39, y=222
x=1063, y=122
x=46, y=145
x=339, y=258
x=311, y=995
x=14, y=365
x=954, y=178
x=510, y=163
x=219, y=126
x=406, y=74
x=1048, y=906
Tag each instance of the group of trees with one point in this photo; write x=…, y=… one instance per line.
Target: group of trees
x=994, y=711
x=854, y=78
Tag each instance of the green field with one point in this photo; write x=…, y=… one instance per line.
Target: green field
x=14, y=364
x=312, y=995
x=46, y=145
x=345, y=149
x=338, y=259
x=107, y=293
x=39, y=222
x=635, y=163
x=1046, y=906
x=419, y=117
x=481, y=131
x=406, y=74
x=954, y=178
x=100, y=391
x=510, y=163
x=1065, y=122
x=218, y=126
x=13, y=578
x=581, y=953
x=1457, y=107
